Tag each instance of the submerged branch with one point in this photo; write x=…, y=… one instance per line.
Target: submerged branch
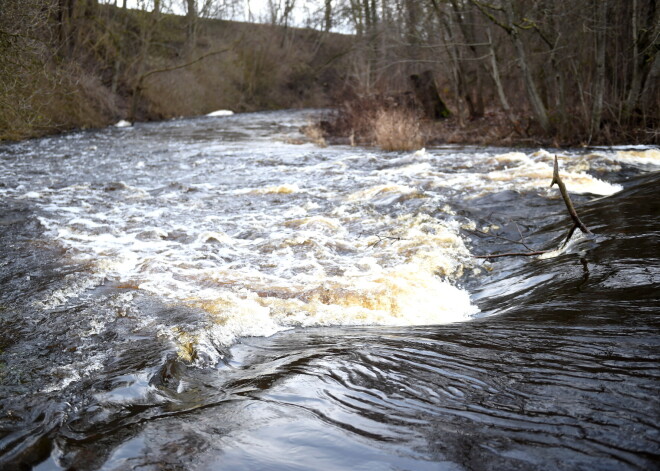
x=514, y=254
x=501, y=237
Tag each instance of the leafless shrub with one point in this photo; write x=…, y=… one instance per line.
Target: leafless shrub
x=397, y=130
x=376, y=120
x=315, y=133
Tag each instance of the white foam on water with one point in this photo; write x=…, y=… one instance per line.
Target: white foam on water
x=220, y=113
x=285, y=189
x=522, y=172
x=377, y=191
x=31, y=195
x=73, y=372
x=627, y=147
x=643, y=157
x=304, y=270
x=306, y=241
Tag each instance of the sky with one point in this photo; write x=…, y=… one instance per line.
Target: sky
x=248, y=10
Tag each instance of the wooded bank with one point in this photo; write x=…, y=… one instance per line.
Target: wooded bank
x=578, y=72
x=511, y=71
x=79, y=63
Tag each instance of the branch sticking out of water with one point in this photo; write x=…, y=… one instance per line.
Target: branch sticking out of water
x=577, y=223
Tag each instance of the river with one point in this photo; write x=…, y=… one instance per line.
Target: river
x=216, y=294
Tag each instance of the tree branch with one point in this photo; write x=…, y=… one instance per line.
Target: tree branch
x=482, y=8
x=567, y=200
x=181, y=66
x=514, y=254
x=577, y=223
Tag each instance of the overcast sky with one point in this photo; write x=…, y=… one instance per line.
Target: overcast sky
x=247, y=10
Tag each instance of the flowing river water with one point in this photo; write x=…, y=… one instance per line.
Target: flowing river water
x=211, y=294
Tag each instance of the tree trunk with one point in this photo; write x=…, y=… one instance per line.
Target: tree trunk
x=67, y=26
x=374, y=13
x=599, y=83
x=636, y=80
x=532, y=92
x=495, y=73
x=355, y=12
x=649, y=97
x=497, y=79
x=411, y=21
x=458, y=70
x=426, y=92
x=286, y=14
x=191, y=27
x=147, y=32
x=646, y=29
x=327, y=16
x=553, y=15
x=476, y=102
x=367, y=16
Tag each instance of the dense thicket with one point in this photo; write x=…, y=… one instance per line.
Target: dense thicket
x=578, y=71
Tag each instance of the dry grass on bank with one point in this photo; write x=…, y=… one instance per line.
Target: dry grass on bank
x=315, y=133
x=377, y=120
x=49, y=99
x=491, y=129
x=368, y=121
x=102, y=73
x=397, y=130
x=374, y=121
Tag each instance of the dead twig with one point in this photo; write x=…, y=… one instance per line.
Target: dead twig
x=522, y=237
x=495, y=236
x=577, y=223
x=382, y=238
x=501, y=237
x=514, y=254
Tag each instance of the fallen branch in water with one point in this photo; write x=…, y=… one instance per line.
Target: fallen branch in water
x=499, y=236
x=569, y=205
x=577, y=223
x=530, y=251
x=514, y=254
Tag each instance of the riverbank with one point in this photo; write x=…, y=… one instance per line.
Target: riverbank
x=115, y=64
x=406, y=130
x=86, y=65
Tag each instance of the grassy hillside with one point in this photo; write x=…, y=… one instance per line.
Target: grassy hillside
x=112, y=64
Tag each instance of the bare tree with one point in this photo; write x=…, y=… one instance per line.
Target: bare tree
x=511, y=26
x=327, y=15
x=599, y=82
x=191, y=26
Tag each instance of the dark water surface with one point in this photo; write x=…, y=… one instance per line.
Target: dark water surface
x=207, y=295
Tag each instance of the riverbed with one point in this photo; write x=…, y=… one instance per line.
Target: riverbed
x=216, y=293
